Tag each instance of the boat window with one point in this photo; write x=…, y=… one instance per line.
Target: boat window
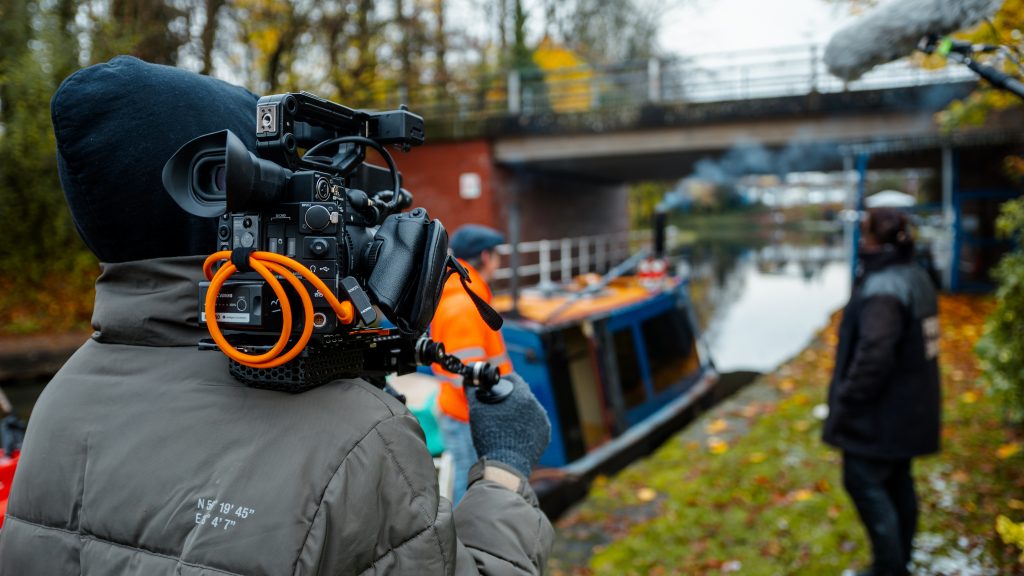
x=586, y=387
x=670, y=349
x=630, y=378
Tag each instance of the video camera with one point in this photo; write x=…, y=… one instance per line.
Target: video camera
x=307, y=206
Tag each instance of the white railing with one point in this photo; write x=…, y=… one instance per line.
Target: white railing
x=548, y=262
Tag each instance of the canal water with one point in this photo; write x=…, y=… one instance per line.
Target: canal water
x=760, y=301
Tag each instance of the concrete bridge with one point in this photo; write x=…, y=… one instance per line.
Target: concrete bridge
x=550, y=155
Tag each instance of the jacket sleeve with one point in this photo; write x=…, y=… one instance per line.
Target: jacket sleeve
x=881, y=328
x=500, y=531
x=381, y=513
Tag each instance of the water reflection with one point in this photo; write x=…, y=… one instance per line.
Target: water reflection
x=760, y=302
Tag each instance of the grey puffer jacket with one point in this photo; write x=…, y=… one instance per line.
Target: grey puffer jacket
x=144, y=456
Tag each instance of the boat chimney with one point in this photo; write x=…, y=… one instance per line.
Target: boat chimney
x=660, y=223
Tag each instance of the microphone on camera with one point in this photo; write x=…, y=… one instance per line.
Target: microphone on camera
x=894, y=29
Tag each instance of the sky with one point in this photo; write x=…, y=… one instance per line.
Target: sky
x=702, y=26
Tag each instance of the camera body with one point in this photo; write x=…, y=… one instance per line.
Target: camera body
x=309, y=196
x=315, y=225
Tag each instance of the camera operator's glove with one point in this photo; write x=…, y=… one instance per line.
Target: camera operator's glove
x=514, y=432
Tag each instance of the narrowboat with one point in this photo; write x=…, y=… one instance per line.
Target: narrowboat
x=616, y=361
x=618, y=365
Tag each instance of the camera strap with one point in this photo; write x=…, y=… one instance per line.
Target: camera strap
x=489, y=315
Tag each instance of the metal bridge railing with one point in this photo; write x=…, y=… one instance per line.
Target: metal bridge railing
x=713, y=77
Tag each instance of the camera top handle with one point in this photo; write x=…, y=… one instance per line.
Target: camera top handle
x=287, y=122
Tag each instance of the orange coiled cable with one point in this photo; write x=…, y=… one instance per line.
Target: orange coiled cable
x=267, y=264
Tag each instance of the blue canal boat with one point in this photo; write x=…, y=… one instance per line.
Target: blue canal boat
x=618, y=364
x=606, y=365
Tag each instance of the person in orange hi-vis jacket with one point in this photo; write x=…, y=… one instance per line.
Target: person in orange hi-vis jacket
x=458, y=325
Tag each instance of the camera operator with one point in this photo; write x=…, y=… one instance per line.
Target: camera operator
x=144, y=456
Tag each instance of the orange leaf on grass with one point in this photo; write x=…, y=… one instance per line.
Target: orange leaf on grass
x=716, y=426
x=1007, y=450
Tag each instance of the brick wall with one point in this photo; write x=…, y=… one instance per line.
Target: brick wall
x=431, y=172
x=551, y=206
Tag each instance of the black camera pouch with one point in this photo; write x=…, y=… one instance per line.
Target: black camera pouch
x=408, y=259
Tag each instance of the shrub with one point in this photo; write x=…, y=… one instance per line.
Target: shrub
x=1001, y=348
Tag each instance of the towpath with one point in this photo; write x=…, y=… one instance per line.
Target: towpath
x=749, y=487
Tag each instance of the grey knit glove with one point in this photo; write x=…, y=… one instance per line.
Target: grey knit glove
x=514, y=432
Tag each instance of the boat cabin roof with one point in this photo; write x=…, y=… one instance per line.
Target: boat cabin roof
x=573, y=303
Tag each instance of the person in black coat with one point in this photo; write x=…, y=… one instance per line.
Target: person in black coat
x=884, y=399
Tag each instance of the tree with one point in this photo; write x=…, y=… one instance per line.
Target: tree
x=1003, y=29
x=44, y=257
x=440, y=45
x=609, y=32
x=1001, y=349
x=209, y=34
x=153, y=30
x=356, y=69
x=49, y=284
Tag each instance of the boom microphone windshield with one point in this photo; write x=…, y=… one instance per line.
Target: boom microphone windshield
x=894, y=29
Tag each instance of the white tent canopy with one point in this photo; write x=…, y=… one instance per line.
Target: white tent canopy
x=890, y=199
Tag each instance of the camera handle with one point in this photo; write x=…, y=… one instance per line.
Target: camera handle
x=490, y=388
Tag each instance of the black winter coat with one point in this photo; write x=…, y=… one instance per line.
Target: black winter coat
x=884, y=400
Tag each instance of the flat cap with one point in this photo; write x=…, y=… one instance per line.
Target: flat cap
x=472, y=239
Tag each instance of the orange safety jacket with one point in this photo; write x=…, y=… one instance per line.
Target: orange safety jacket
x=458, y=325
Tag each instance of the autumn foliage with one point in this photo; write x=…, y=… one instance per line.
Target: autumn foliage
x=1003, y=29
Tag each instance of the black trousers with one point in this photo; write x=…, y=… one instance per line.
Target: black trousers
x=883, y=493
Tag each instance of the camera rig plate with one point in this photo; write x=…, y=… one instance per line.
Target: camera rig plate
x=358, y=354
x=371, y=354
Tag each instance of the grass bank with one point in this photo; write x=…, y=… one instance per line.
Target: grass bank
x=750, y=488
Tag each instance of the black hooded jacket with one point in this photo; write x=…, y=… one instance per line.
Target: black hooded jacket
x=884, y=400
